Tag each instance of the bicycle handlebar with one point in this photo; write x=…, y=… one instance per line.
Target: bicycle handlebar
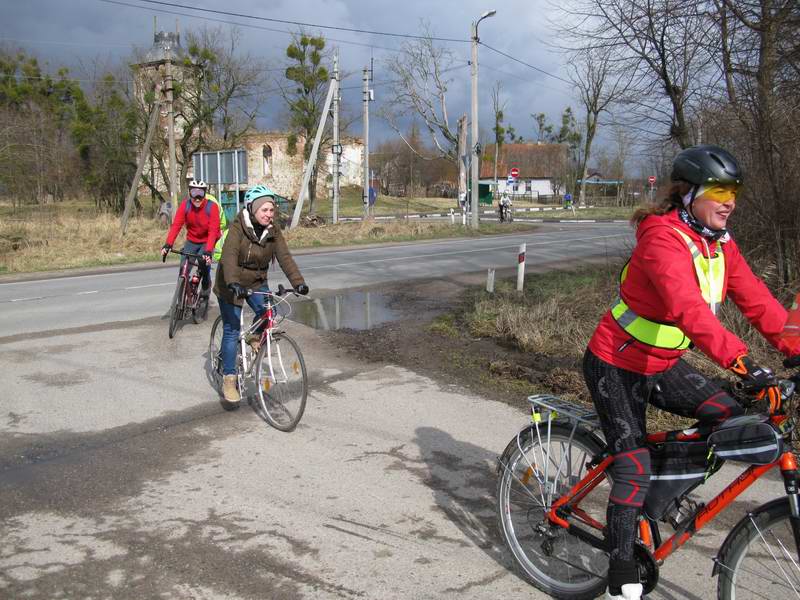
x=182, y=253
x=282, y=291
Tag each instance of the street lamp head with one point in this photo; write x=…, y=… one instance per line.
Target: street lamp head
x=488, y=13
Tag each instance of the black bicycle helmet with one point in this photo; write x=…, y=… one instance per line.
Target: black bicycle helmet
x=700, y=165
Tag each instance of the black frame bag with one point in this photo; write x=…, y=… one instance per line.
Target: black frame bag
x=750, y=439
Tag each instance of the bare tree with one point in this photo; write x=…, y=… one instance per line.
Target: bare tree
x=218, y=92
x=498, y=110
x=655, y=42
x=599, y=86
x=420, y=88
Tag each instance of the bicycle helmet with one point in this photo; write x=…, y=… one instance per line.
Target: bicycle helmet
x=257, y=192
x=198, y=183
x=706, y=164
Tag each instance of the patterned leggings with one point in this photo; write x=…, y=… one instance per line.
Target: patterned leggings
x=621, y=399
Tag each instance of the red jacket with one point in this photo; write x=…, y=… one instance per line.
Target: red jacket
x=200, y=227
x=662, y=286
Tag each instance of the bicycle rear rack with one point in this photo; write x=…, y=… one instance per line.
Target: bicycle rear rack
x=544, y=470
x=545, y=407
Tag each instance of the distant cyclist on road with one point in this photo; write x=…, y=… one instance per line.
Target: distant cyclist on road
x=201, y=217
x=254, y=241
x=504, y=207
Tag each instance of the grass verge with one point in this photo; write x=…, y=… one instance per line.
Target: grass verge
x=51, y=240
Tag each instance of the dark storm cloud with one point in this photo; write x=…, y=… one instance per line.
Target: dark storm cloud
x=75, y=33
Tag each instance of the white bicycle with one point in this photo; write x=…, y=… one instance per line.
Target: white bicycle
x=277, y=370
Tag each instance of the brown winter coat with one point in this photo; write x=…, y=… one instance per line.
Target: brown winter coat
x=246, y=259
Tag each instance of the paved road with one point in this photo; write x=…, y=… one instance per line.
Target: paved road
x=122, y=296
x=122, y=476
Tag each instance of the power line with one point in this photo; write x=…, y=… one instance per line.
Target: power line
x=522, y=62
x=238, y=24
x=297, y=23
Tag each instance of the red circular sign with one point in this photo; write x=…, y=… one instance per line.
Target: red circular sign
x=515, y=172
x=652, y=179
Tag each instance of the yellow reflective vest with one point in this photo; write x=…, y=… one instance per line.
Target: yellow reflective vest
x=711, y=278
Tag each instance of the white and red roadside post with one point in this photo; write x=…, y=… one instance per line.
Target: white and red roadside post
x=521, y=267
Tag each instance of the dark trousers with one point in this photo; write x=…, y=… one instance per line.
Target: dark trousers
x=621, y=398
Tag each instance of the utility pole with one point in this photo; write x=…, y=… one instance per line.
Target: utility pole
x=312, y=158
x=476, y=147
x=366, y=94
x=463, y=152
x=173, y=163
x=475, y=150
x=337, y=147
x=148, y=139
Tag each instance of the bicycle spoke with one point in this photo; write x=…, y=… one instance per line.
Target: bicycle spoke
x=775, y=558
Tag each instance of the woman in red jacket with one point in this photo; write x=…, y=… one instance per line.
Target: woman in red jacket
x=201, y=217
x=683, y=266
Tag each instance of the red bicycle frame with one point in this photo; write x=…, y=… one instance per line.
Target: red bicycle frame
x=787, y=463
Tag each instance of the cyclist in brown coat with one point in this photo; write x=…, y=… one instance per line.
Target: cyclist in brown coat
x=253, y=242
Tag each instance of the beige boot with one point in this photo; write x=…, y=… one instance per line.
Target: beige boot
x=229, y=389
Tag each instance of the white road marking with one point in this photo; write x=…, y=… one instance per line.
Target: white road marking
x=89, y=292
x=439, y=254
x=24, y=299
x=149, y=285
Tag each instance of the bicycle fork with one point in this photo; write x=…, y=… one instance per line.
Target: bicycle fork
x=790, y=483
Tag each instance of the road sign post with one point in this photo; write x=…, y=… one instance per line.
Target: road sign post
x=652, y=181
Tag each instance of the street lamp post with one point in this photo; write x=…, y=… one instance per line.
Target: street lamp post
x=476, y=149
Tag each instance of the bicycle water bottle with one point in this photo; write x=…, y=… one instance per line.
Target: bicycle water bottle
x=791, y=330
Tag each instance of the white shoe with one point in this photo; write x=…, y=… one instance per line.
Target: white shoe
x=630, y=591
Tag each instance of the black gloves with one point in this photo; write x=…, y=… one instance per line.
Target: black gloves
x=164, y=251
x=237, y=290
x=759, y=380
x=302, y=289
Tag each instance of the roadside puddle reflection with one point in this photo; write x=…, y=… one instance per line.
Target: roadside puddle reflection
x=356, y=310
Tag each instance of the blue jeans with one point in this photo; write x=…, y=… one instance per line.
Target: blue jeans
x=205, y=271
x=230, y=327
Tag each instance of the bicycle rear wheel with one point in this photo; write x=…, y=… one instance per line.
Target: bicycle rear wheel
x=176, y=310
x=536, y=468
x=282, y=382
x=761, y=561
x=215, y=355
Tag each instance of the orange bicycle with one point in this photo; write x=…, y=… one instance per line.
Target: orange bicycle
x=553, y=487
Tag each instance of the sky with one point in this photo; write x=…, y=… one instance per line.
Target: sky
x=74, y=33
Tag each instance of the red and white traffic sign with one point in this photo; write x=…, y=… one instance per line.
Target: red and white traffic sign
x=651, y=180
x=514, y=172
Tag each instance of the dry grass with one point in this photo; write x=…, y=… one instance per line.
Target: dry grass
x=44, y=242
x=48, y=240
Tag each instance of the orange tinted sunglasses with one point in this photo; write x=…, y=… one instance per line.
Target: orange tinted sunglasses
x=719, y=193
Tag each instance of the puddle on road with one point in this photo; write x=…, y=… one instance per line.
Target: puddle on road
x=356, y=310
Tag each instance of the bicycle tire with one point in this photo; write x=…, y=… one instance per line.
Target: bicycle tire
x=200, y=313
x=765, y=537
x=215, y=355
x=176, y=310
x=282, y=390
x=545, y=555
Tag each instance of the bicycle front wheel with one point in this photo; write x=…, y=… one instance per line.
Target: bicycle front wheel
x=176, y=310
x=282, y=382
x=215, y=355
x=537, y=467
x=762, y=560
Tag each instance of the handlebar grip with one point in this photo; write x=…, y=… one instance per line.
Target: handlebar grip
x=281, y=290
